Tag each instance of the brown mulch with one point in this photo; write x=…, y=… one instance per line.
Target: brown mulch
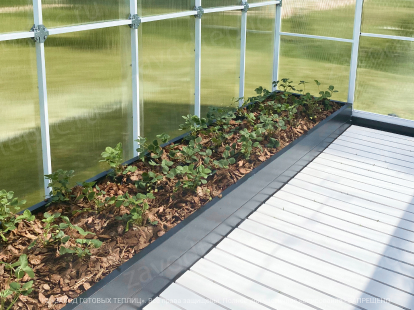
x=62, y=278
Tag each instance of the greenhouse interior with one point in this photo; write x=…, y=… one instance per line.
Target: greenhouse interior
x=206, y=154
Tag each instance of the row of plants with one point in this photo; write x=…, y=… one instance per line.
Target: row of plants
x=215, y=145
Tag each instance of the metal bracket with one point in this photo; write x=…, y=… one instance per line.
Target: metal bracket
x=136, y=21
x=246, y=7
x=40, y=33
x=280, y=2
x=200, y=11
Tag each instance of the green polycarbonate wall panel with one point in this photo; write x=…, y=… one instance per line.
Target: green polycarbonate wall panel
x=391, y=17
x=21, y=168
x=330, y=18
x=155, y=7
x=304, y=59
x=16, y=15
x=89, y=90
x=166, y=60
x=259, y=49
x=220, y=59
x=385, y=77
x=72, y=12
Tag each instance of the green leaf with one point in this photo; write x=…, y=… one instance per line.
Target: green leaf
x=14, y=286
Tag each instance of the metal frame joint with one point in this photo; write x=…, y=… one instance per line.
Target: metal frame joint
x=246, y=7
x=135, y=21
x=280, y=4
x=40, y=33
x=200, y=11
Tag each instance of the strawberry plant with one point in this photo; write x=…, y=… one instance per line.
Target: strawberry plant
x=193, y=124
x=114, y=158
x=85, y=245
x=193, y=176
x=19, y=269
x=15, y=290
x=8, y=206
x=59, y=181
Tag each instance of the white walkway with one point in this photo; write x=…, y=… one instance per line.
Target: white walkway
x=339, y=236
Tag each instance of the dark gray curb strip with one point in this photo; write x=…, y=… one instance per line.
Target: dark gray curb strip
x=147, y=274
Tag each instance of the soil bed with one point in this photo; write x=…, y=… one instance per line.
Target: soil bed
x=60, y=278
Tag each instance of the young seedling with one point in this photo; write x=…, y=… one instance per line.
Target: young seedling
x=138, y=206
x=193, y=124
x=59, y=181
x=114, y=158
x=192, y=176
x=80, y=251
x=15, y=290
x=88, y=191
x=9, y=206
x=227, y=159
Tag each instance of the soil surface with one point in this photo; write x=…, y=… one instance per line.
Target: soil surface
x=60, y=278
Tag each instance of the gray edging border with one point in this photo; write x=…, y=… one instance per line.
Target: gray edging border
x=149, y=272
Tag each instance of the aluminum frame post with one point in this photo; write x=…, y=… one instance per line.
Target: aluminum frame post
x=197, y=50
x=136, y=112
x=243, y=39
x=355, y=50
x=276, y=50
x=43, y=104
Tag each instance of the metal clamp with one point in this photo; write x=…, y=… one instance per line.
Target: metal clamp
x=246, y=7
x=200, y=11
x=40, y=33
x=135, y=21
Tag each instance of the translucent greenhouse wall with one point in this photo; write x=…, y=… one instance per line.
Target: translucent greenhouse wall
x=113, y=70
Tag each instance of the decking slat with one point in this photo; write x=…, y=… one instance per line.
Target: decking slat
x=350, y=181
x=266, y=288
x=160, y=304
x=355, y=192
x=274, y=281
x=360, y=177
x=319, y=265
x=332, y=285
x=371, y=224
x=337, y=195
x=402, y=160
x=365, y=170
x=406, y=154
x=373, y=161
x=400, y=145
x=187, y=299
x=213, y=291
x=379, y=133
x=300, y=233
x=314, y=221
x=364, y=268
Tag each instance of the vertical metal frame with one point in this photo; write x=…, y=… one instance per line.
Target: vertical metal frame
x=43, y=104
x=355, y=50
x=136, y=113
x=243, y=38
x=276, y=50
x=197, y=50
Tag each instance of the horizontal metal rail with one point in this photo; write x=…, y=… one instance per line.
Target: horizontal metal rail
x=93, y=26
x=309, y=36
x=259, y=4
x=167, y=16
x=224, y=9
x=16, y=36
x=384, y=36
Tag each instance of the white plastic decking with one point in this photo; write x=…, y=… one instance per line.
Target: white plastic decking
x=339, y=236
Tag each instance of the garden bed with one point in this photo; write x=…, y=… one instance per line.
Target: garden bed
x=162, y=193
